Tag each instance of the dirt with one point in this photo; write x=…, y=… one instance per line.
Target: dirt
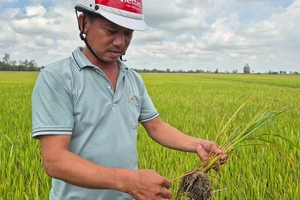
x=195, y=186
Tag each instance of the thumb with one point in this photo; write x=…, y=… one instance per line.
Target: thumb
x=202, y=152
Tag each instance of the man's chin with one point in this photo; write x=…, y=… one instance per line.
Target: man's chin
x=109, y=60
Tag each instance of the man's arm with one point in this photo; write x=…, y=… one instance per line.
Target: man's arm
x=62, y=164
x=170, y=137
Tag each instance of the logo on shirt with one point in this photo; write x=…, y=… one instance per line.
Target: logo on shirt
x=132, y=100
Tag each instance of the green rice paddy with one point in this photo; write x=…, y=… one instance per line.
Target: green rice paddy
x=196, y=105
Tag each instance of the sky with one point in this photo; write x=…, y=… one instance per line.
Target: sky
x=181, y=34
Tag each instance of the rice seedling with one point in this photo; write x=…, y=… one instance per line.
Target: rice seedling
x=195, y=184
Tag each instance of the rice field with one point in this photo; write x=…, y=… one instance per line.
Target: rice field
x=195, y=104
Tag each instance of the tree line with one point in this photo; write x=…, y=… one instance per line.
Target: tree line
x=246, y=70
x=11, y=65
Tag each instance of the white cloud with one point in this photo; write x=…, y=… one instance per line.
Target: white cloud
x=36, y=33
x=181, y=34
x=35, y=10
x=263, y=29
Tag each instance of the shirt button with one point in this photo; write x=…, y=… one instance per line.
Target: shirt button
x=109, y=87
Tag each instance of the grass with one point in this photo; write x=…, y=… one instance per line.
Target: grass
x=195, y=104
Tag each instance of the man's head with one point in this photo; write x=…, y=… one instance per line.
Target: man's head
x=115, y=21
x=125, y=13
x=105, y=40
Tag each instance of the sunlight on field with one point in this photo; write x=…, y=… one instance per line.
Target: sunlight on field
x=195, y=104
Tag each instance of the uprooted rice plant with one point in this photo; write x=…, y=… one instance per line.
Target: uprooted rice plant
x=196, y=185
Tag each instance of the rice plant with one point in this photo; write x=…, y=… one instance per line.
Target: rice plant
x=195, y=184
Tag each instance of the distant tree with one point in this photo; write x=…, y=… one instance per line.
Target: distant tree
x=217, y=71
x=32, y=65
x=199, y=71
x=282, y=72
x=271, y=72
x=6, y=58
x=11, y=65
x=235, y=71
x=294, y=72
x=246, y=69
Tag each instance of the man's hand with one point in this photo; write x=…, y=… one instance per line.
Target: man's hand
x=208, y=147
x=148, y=184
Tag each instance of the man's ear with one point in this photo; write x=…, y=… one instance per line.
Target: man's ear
x=81, y=17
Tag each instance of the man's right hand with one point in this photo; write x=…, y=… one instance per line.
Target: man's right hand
x=147, y=184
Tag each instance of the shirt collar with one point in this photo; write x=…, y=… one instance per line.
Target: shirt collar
x=81, y=61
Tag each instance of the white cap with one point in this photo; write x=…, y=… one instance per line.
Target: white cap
x=125, y=13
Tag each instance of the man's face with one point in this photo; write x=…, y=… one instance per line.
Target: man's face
x=108, y=40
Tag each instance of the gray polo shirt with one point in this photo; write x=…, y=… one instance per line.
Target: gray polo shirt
x=74, y=97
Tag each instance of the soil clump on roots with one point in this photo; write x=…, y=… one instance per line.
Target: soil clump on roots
x=195, y=186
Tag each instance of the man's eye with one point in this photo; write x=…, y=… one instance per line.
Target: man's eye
x=111, y=31
x=128, y=33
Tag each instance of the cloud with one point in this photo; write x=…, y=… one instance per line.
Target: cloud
x=35, y=10
x=35, y=32
x=174, y=15
x=181, y=34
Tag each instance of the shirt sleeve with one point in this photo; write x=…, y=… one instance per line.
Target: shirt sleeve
x=148, y=110
x=52, y=110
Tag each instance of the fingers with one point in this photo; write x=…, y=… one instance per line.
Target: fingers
x=166, y=183
x=149, y=185
x=166, y=194
x=224, y=157
x=223, y=160
x=202, y=152
x=215, y=149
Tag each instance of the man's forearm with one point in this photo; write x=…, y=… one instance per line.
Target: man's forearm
x=78, y=171
x=170, y=137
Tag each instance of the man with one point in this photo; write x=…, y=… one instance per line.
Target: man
x=86, y=110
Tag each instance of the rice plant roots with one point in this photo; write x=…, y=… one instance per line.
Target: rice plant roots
x=195, y=186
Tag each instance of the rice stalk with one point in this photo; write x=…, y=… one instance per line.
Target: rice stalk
x=195, y=185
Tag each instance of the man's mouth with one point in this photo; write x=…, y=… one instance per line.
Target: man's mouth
x=115, y=53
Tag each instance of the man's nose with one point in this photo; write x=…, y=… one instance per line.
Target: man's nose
x=119, y=40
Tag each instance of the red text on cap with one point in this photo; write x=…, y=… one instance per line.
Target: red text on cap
x=134, y=6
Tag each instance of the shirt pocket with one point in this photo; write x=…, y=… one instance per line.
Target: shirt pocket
x=134, y=108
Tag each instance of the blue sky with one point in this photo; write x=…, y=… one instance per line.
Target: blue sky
x=181, y=34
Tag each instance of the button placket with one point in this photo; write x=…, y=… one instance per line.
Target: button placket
x=109, y=87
